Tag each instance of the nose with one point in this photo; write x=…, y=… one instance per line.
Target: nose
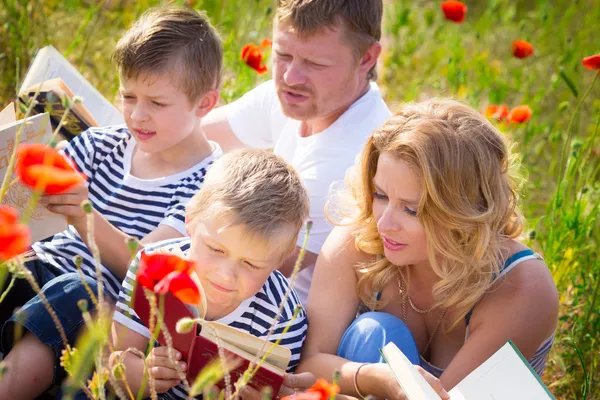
x=294, y=74
x=227, y=272
x=139, y=113
x=388, y=221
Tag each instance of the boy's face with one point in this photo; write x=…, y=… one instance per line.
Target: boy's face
x=157, y=113
x=231, y=264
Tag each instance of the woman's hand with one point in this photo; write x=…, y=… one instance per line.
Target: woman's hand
x=165, y=373
x=390, y=389
x=292, y=383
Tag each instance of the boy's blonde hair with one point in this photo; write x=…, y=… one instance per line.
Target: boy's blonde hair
x=257, y=189
x=361, y=20
x=178, y=41
x=468, y=207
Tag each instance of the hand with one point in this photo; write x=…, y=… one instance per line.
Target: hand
x=165, y=373
x=292, y=383
x=68, y=204
x=394, y=391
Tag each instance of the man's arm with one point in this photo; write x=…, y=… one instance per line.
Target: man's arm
x=216, y=127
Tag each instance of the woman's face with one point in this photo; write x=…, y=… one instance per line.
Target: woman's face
x=397, y=194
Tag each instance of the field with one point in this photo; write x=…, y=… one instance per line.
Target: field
x=424, y=55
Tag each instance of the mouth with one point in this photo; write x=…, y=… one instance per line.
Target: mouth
x=142, y=134
x=392, y=245
x=219, y=288
x=292, y=96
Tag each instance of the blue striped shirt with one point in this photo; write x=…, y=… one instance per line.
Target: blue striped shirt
x=133, y=205
x=254, y=315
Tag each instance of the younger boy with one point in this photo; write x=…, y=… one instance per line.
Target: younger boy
x=242, y=224
x=140, y=177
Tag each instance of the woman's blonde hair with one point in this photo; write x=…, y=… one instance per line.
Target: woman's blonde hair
x=468, y=207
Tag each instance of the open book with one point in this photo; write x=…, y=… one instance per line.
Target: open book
x=199, y=347
x=54, y=77
x=506, y=375
x=35, y=129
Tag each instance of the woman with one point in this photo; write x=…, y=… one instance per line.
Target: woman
x=432, y=247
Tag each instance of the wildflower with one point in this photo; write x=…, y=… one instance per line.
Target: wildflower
x=499, y=113
x=14, y=237
x=522, y=49
x=94, y=384
x=454, y=11
x=520, y=114
x=43, y=168
x=164, y=273
x=321, y=390
x=253, y=56
x=266, y=43
x=67, y=359
x=592, y=62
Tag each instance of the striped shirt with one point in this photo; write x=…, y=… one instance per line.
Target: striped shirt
x=133, y=205
x=254, y=315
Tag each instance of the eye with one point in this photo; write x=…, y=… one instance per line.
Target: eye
x=283, y=56
x=127, y=97
x=410, y=212
x=214, y=250
x=379, y=196
x=157, y=104
x=254, y=267
x=315, y=65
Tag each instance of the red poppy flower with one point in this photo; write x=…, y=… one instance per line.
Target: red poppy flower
x=266, y=43
x=164, y=273
x=499, y=113
x=520, y=114
x=321, y=390
x=253, y=56
x=454, y=11
x=522, y=49
x=43, y=168
x=592, y=62
x=14, y=237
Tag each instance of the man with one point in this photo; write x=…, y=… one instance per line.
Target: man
x=320, y=107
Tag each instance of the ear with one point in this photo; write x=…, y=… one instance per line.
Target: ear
x=207, y=102
x=369, y=59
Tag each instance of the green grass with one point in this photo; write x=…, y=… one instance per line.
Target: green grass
x=424, y=55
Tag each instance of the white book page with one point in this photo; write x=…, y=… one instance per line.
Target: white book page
x=49, y=63
x=8, y=116
x=43, y=223
x=504, y=376
x=410, y=380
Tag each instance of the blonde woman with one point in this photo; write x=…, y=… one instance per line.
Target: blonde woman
x=431, y=254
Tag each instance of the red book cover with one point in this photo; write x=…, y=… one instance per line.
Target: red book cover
x=197, y=350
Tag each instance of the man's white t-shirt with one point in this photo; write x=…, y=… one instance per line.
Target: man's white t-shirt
x=321, y=159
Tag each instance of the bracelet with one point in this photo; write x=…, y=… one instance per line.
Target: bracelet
x=361, y=396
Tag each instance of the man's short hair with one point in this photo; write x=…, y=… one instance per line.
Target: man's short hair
x=173, y=40
x=360, y=18
x=259, y=190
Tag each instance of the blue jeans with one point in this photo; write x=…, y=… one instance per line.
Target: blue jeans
x=370, y=332
x=63, y=293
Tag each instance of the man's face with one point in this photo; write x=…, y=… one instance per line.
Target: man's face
x=315, y=76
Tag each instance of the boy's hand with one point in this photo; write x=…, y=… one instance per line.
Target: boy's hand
x=68, y=204
x=163, y=370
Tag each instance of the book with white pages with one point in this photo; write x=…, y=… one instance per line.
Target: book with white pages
x=49, y=63
x=506, y=375
x=34, y=129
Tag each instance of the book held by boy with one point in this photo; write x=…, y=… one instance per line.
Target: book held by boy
x=506, y=375
x=199, y=347
x=35, y=129
x=51, y=78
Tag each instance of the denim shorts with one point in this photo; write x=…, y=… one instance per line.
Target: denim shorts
x=63, y=292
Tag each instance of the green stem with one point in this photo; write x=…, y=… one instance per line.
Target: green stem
x=10, y=285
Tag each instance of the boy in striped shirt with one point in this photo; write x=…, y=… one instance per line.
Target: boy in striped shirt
x=242, y=224
x=140, y=176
